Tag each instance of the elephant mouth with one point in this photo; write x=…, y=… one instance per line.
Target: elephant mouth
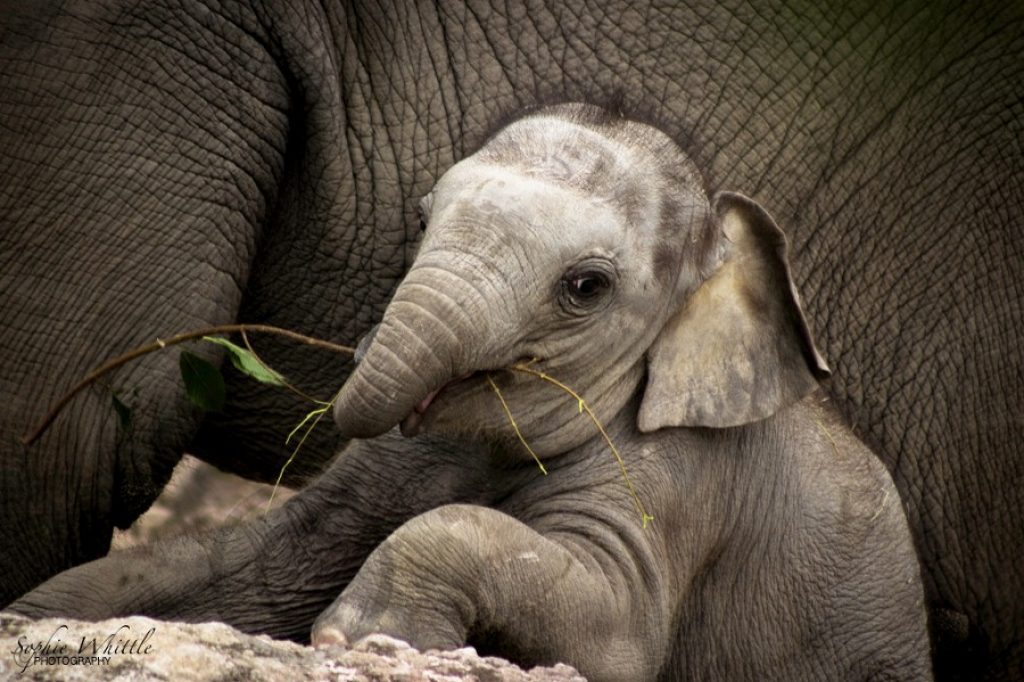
x=410, y=425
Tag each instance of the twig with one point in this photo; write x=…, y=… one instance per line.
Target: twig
x=159, y=344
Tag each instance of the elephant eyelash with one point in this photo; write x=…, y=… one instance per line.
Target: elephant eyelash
x=587, y=286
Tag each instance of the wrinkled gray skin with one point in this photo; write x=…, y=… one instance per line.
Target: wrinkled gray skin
x=588, y=243
x=171, y=165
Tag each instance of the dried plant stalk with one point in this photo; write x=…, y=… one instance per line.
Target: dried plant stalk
x=582, y=405
x=515, y=426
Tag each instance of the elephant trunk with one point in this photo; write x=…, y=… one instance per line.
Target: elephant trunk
x=418, y=348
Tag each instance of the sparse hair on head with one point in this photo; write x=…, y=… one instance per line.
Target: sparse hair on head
x=604, y=111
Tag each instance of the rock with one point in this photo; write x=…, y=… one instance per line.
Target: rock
x=198, y=498
x=138, y=648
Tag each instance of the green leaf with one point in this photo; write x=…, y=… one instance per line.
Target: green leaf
x=203, y=382
x=124, y=413
x=246, y=362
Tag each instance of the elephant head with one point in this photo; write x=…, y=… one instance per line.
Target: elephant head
x=586, y=242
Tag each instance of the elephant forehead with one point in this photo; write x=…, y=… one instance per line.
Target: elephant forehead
x=564, y=152
x=474, y=191
x=568, y=154
x=584, y=146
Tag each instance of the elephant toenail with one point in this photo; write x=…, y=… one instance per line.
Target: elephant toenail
x=326, y=637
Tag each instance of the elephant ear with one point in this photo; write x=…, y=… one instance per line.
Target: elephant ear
x=739, y=349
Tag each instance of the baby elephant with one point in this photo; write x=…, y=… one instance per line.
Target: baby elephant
x=578, y=249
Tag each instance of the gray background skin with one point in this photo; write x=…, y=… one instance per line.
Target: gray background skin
x=169, y=166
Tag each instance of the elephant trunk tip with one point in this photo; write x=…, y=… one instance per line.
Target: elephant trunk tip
x=409, y=424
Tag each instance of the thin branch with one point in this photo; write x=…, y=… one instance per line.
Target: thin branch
x=160, y=344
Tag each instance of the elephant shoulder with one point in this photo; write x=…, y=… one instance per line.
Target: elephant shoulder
x=848, y=502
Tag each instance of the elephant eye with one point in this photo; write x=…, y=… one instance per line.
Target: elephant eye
x=585, y=286
x=423, y=211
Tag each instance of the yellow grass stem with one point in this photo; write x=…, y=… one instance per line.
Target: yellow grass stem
x=821, y=425
x=316, y=415
x=515, y=427
x=583, y=407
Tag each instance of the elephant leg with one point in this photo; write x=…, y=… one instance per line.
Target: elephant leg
x=275, y=574
x=466, y=573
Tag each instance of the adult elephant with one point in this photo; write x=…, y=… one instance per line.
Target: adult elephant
x=173, y=165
